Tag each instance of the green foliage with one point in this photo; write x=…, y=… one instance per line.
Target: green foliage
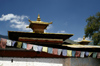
x=92, y=28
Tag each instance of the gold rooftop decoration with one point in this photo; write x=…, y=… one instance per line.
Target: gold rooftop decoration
x=38, y=26
x=84, y=41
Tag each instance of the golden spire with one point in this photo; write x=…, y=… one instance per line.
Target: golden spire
x=38, y=26
x=38, y=19
x=83, y=37
x=84, y=41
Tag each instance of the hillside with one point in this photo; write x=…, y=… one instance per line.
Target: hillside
x=2, y=36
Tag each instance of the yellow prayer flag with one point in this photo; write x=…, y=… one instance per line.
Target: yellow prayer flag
x=69, y=52
x=90, y=53
x=19, y=44
x=45, y=49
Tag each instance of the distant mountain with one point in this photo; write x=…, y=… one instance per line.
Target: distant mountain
x=2, y=36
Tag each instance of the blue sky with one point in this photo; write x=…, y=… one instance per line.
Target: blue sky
x=68, y=16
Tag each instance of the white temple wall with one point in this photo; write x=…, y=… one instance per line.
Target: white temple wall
x=5, y=61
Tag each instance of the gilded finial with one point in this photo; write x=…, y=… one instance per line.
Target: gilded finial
x=38, y=26
x=83, y=37
x=38, y=16
x=38, y=19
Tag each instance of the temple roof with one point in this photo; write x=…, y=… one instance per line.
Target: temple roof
x=38, y=26
x=84, y=41
x=14, y=35
x=38, y=22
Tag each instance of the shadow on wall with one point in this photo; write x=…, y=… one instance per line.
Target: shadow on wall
x=85, y=62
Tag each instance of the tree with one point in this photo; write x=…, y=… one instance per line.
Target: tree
x=92, y=29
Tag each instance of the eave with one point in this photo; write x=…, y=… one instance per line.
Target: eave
x=14, y=35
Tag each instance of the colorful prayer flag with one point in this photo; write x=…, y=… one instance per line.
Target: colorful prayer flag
x=45, y=49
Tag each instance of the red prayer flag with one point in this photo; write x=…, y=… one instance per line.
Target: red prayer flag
x=77, y=54
x=29, y=46
x=98, y=55
x=3, y=43
x=55, y=51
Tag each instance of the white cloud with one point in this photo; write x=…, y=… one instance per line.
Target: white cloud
x=48, y=28
x=16, y=21
x=7, y=17
x=62, y=31
x=88, y=39
x=80, y=39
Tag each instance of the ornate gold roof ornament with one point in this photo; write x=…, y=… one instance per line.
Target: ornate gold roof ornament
x=38, y=26
x=38, y=19
x=84, y=41
x=83, y=37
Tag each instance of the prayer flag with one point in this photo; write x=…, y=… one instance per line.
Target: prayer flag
x=29, y=46
x=87, y=53
x=40, y=48
x=69, y=52
x=77, y=54
x=35, y=47
x=13, y=43
x=19, y=44
x=73, y=53
x=64, y=52
x=45, y=49
x=24, y=45
x=59, y=51
x=55, y=51
x=98, y=55
x=82, y=54
x=50, y=50
x=8, y=42
x=94, y=54
x=3, y=43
